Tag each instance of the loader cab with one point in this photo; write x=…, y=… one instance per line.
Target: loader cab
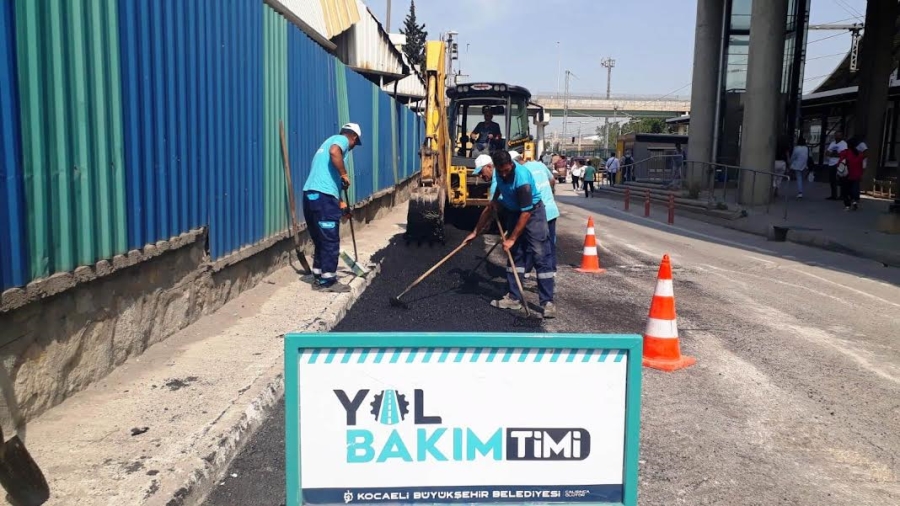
x=471, y=104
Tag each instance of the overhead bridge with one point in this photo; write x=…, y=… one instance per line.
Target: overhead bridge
x=641, y=106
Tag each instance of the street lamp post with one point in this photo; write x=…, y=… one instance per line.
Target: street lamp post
x=566, y=103
x=608, y=63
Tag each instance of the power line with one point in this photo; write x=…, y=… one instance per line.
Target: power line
x=826, y=38
x=816, y=77
x=849, y=9
x=675, y=91
x=826, y=56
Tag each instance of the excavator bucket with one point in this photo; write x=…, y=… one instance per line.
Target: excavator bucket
x=425, y=218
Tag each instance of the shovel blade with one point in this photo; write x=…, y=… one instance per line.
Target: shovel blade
x=20, y=475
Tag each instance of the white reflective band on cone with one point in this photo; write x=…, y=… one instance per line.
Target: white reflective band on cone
x=662, y=329
x=664, y=288
x=591, y=231
x=590, y=251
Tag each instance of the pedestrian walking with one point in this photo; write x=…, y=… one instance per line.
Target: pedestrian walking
x=612, y=168
x=590, y=174
x=799, y=162
x=782, y=155
x=322, y=204
x=850, y=171
x=525, y=223
x=837, y=146
x=628, y=167
x=576, y=175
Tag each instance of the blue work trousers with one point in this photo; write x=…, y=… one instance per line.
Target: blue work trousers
x=323, y=220
x=534, y=243
x=529, y=260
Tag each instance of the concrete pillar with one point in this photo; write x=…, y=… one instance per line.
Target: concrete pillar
x=759, y=130
x=704, y=87
x=875, y=67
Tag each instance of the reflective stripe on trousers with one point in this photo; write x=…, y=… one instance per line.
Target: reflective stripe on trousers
x=323, y=220
x=533, y=243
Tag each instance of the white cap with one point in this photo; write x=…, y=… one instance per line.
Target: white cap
x=353, y=127
x=515, y=155
x=861, y=147
x=481, y=161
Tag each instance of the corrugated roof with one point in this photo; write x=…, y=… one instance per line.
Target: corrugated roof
x=329, y=18
x=340, y=15
x=367, y=47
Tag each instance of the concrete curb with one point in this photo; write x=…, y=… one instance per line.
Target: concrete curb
x=201, y=481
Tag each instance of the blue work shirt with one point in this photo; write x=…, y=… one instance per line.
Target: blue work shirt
x=541, y=175
x=518, y=194
x=323, y=175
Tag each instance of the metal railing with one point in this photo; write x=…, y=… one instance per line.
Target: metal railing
x=602, y=96
x=722, y=186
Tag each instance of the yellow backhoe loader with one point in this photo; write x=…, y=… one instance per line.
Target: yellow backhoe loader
x=447, y=190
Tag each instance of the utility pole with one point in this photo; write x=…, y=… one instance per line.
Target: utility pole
x=452, y=56
x=566, y=104
x=854, y=30
x=609, y=63
x=387, y=27
x=558, y=67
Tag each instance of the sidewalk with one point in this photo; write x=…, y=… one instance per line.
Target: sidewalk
x=815, y=221
x=159, y=429
x=812, y=221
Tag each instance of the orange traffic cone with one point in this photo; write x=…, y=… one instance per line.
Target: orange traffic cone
x=661, y=345
x=590, y=261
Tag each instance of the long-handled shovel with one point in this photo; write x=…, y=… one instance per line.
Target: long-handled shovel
x=20, y=475
x=290, y=189
x=512, y=264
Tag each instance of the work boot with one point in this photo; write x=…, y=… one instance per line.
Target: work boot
x=507, y=302
x=549, y=310
x=334, y=287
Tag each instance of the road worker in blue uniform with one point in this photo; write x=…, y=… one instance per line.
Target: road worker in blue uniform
x=545, y=183
x=322, y=204
x=518, y=200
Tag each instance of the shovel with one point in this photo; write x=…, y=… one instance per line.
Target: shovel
x=512, y=264
x=20, y=475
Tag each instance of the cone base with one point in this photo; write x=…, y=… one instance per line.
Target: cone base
x=669, y=365
x=591, y=271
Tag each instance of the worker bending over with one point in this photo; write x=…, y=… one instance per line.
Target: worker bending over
x=322, y=204
x=545, y=182
x=524, y=220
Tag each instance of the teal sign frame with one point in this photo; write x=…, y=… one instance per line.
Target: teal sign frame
x=631, y=345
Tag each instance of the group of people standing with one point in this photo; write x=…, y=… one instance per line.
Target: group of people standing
x=846, y=162
x=584, y=176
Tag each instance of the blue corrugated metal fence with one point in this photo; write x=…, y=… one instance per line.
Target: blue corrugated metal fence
x=193, y=141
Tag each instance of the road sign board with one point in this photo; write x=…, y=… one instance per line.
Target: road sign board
x=434, y=418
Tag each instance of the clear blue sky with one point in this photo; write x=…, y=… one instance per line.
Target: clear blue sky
x=652, y=41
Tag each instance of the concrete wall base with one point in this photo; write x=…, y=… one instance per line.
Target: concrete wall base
x=60, y=334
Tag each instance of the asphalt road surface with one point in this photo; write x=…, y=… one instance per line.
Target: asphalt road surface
x=795, y=397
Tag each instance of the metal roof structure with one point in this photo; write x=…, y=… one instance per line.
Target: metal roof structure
x=367, y=48
x=842, y=78
x=321, y=20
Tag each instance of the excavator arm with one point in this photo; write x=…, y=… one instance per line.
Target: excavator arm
x=425, y=219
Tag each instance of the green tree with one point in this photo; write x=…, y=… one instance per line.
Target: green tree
x=416, y=35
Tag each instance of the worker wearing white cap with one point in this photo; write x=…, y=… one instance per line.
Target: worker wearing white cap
x=514, y=192
x=322, y=204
